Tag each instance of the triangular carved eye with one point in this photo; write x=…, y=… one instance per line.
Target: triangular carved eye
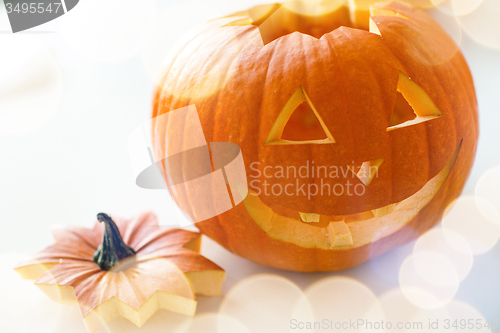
x=367, y=171
x=413, y=105
x=299, y=123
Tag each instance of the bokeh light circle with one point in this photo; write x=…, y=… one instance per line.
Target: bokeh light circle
x=397, y=308
x=488, y=190
x=403, y=316
x=453, y=246
x=464, y=7
x=450, y=24
x=428, y=280
x=342, y=300
x=463, y=314
x=266, y=303
x=481, y=229
x=457, y=7
x=483, y=25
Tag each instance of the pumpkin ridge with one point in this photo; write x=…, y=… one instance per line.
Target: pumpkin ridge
x=137, y=225
x=305, y=57
x=158, y=235
x=63, y=233
x=472, y=103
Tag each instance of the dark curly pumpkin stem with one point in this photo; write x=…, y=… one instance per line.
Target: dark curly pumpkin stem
x=113, y=249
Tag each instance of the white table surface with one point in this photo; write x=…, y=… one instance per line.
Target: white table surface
x=71, y=165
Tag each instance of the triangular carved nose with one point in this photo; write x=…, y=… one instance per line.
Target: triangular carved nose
x=367, y=171
x=299, y=123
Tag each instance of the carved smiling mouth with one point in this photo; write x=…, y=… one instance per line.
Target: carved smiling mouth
x=311, y=230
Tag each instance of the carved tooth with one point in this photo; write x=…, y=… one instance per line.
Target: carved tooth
x=339, y=235
x=313, y=217
x=309, y=217
x=380, y=212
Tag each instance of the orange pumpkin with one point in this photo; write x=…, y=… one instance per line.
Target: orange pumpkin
x=379, y=107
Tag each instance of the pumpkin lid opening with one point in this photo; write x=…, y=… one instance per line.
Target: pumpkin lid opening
x=311, y=17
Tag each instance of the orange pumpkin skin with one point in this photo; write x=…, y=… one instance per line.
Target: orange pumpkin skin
x=239, y=87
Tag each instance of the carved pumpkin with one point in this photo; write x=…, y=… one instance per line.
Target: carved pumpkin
x=380, y=109
x=150, y=268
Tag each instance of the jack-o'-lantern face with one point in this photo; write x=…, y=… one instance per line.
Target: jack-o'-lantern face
x=354, y=126
x=276, y=191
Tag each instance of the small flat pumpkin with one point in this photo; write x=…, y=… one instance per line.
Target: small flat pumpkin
x=129, y=268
